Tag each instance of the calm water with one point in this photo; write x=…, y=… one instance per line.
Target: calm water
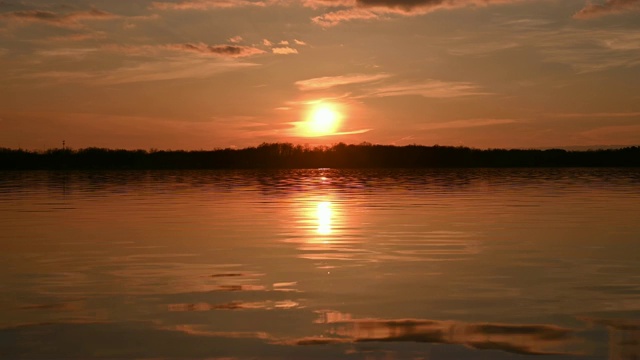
x=327, y=264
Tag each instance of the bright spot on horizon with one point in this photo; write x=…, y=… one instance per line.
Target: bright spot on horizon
x=323, y=119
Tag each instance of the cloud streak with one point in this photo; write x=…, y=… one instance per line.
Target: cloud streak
x=327, y=82
x=598, y=115
x=609, y=7
x=378, y=9
x=226, y=51
x=349, y=10
x=461, y=124
x=71, y=20
x=79, y=37
x=170, y=69
x=205, y=4
x=429, y=89
x=234, y=51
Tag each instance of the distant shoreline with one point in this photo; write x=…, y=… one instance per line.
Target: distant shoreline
x=289, y=156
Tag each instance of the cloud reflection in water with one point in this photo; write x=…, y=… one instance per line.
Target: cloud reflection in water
x=529, y=339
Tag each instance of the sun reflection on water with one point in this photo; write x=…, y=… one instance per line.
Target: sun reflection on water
x=324, y=215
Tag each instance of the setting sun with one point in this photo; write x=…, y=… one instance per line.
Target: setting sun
x=324, y=119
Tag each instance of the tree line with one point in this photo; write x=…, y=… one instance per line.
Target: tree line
x=286, y=155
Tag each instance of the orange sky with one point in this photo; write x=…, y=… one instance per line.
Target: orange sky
x=202, y=74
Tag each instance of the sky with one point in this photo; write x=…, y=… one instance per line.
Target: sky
x=205, y=74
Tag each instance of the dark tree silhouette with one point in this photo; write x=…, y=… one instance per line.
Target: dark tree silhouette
x=286, y=155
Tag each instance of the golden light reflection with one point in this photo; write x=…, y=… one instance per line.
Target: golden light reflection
x=324, y=215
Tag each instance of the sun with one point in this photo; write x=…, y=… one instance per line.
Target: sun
x=323, y=119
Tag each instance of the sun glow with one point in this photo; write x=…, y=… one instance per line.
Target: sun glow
x=323, y=119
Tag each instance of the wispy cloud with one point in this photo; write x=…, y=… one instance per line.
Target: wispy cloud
x=429, y=89
x=205, y=4
x=622, y=41
x=614, y=134
x=79, y=37
x=71, y=19
x=482, y=48
x=353, y=132
x=585, y=49
x=348, y=10
x=75, y=53
x=429, y=5
x=168, y=69
x=317, y=4
x=229, y=51
x=467, y=123
x=590, y=50
x=326, y=82
x=377, y=9
x=159, y=62
x=285, y=50
x=219, y=50
x=609, y=7
x=597, y=115
x=336, y=17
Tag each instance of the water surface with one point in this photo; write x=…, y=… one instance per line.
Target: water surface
x=327, y=264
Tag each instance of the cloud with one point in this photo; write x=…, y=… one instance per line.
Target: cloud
x=299, y=42
x=585, y=49
x=284, y=50
x=428, y=5
x=460, y=124
x=79, y=37
x=336, y=17
x=205, y=4
x=234, y=51
x=598, y=115
x=317, y=4
x=161, y=62
x=377, y=9
x=170, y=69
x=590, y=56
x=331, y=81
x=75, y=53
x=482, y=48
x=72, y=19
x=429, y=89
x=613, y=134
x=353, y=132
x=228, y=51
x=235, y=39
x=591, y=11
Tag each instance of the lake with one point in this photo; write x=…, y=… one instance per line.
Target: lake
x=321, y=264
